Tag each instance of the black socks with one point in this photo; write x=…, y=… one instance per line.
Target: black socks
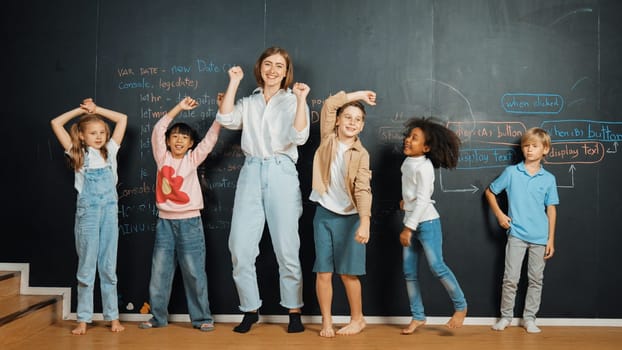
x=295, y=324
x=247, y=322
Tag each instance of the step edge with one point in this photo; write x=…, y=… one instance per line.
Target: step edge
x=6, y=275
x=29, y=309
x=25, y=288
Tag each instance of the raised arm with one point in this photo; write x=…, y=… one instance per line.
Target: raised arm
x=186, y=104
x=328, y=115
x=301, y=90
x=119, y=119
x=58, y=126
x=366, y=96
x=235, y=77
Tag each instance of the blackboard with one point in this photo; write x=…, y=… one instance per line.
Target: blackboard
x=488, y=69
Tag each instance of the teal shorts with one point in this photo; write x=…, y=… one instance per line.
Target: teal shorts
x=335, y=248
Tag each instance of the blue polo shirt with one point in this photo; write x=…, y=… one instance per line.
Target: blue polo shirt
x=528, y=197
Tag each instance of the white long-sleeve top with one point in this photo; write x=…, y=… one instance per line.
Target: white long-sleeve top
x=267, y=128
x=417, y=190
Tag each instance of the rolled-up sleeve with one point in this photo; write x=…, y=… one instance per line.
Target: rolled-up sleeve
x=300, y=137
x=233, y=120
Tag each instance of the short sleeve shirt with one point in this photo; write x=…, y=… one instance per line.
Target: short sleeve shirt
x=96, y=161
x=528, y=197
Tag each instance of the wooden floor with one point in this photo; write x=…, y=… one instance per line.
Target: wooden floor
x=274, y=336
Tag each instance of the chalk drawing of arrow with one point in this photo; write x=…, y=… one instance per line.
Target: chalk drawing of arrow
x=571, y=170
x=472, y=189
x=615, y=148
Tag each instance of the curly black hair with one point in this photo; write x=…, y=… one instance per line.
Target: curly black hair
x=444, y=144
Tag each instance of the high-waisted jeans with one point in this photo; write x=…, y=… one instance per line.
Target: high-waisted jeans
x=267, y=190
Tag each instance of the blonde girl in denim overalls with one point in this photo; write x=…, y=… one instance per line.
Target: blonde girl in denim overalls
x=92, y=151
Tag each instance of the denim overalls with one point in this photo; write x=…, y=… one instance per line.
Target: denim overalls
x=97, y=234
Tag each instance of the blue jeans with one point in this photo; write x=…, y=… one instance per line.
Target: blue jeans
x=267, y=190
x=96, y=232
x=429, y=238
x=179, y=242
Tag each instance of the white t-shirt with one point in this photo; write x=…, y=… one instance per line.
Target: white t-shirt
x=336, y=198
x=96, y=161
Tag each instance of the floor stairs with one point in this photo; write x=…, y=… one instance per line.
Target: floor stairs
x=24, y=310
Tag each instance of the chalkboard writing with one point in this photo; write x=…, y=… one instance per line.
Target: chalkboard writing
x=488, y=70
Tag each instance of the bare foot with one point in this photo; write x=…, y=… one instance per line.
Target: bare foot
x=327, y=332
x=414, y=324
x=457, y=319
x=80, y=329
x=115, y=326
x=355, y=327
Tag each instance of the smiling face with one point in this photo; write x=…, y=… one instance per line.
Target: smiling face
x=415, y=143
x=350, y=123
x=179, y=144
x=273, y=71
x=179, y=139
x=272, y=56
x=94, y=134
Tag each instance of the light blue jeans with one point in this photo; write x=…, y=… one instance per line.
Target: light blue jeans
x=179, y=242
x=96, y=232
x=428, y=238
x=267, y=190
x=515, y=250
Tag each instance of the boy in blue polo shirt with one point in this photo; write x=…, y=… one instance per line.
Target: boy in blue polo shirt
x=530, y=224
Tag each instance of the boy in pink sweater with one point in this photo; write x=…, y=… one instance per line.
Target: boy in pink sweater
x=179, y=231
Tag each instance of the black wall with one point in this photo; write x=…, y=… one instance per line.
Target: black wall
x=489, y=69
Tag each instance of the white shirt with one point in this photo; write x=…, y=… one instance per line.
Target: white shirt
x=417, y=190
x=336, y=198
x=96, y=161
x=267, y=129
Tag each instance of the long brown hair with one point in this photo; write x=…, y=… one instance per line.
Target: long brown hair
x=289, y=76
x=78, y=148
